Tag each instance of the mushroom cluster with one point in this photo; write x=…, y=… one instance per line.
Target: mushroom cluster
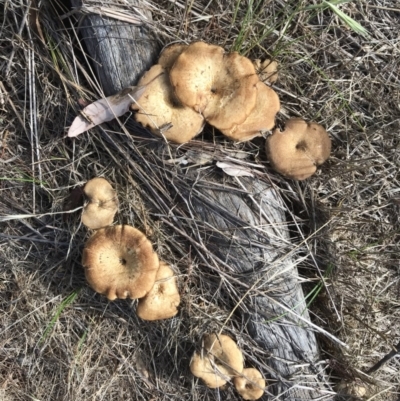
x=119, y=260
x=198, y=83
x=219, y=361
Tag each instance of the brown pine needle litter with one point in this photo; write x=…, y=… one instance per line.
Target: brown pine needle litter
x=339, y=65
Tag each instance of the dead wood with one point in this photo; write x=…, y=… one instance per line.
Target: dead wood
x=134, y=48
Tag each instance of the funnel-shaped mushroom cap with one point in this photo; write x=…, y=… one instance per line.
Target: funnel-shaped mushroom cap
x=262, y=117
x=218, y=85
x=103, y=204
x=299, y=149
x=170, y=54
x=250, y=385
x=158, y=107
x=213, y=375
x=267, y=70
x=119, y=262
x=162, y=300
x=225, y=352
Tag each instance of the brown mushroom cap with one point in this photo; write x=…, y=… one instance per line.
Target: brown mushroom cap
x=119, y=262
x=250, y=385
x=225, y=352
x=299, y=149
x=219, y=85
x=267, y=70
x=262, y=117
x=103, y=204
x=162, y=300
x=169, y=55
x=158, y=107
x=213, y=375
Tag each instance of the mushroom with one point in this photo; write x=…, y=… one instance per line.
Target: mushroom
x=119, y=262
x=169, y=55
x=262, y=117
x=221, y=86
x=162, y=300
x=212, y=374
x=219, y=360
x=225, y=353
x=267, y=70
x=299, y=149
x=161, y=111
x=250, y=385
x=102, y=205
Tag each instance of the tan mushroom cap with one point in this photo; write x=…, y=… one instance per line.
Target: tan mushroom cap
x=169, y=55
x=213, y=375
x=158, y=107
x=119, y=262
x=299, y=149
x=162, y=300
x=219, y=361
x=262, y=117
x=219, y=85
x=151, y=75
x=103, y=204
x=225, y=352
x=267, y=70
x=250, y=385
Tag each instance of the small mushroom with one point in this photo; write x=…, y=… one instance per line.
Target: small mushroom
x=160, y=110
x=162, y=300
x=250, y=385
x=262, y=117
x=221, y=86
x=225, y=353
x=212, y=374
x=119, y=262
x=219, y=361
x=102, y=204
x=296, y=151
x=267, y=70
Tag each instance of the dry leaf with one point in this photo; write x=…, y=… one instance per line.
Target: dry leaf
x=234, y=170
x=106, y=109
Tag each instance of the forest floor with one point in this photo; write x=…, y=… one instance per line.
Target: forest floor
x=339, y=65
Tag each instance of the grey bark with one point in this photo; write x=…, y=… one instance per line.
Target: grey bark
x=245, y=231
x=120, y=51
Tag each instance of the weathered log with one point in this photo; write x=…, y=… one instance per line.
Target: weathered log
x=263, y=263
x=244, y=229
x=134, y=48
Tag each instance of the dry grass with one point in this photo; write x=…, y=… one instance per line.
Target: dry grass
x=59, y=340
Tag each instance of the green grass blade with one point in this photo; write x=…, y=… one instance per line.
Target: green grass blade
x=350, y=22
x=67, y=301
x=333, y=5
